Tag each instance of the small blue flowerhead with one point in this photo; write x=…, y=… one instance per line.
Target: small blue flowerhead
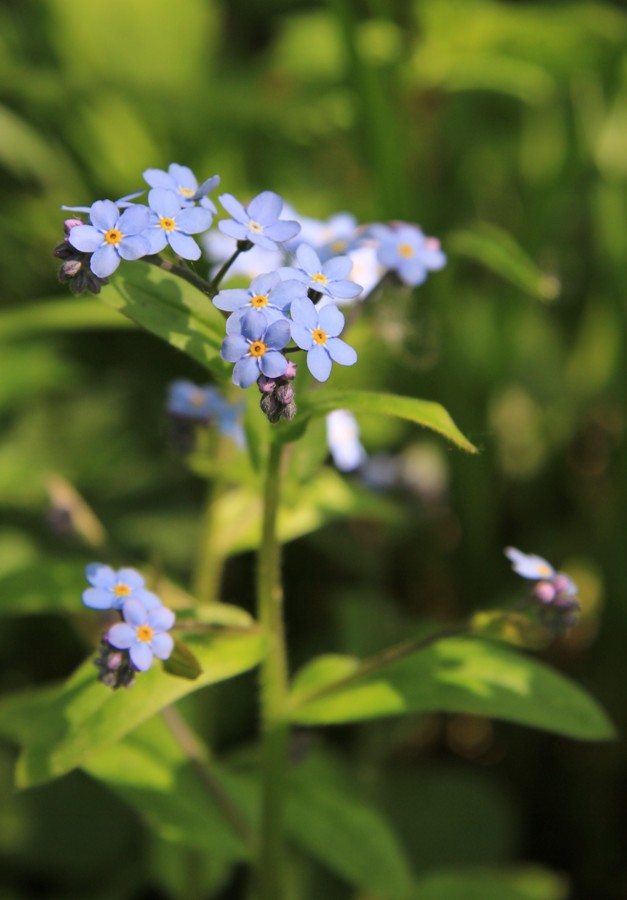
x=112, y=237
x=184, y=183
x=267, y=293
x=111, y=589
x=172, y=224
x=327, y=278
x=202, y=405
x=317, y=332
x=404, y=249
x=528, y=565
x=143, y=633
x=255, y=346
x=343, y=440
x=258, y=222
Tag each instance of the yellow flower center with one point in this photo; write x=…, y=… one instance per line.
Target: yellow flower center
x=186, y=192
x=167, y=224
x=259, y=301
x=121, y=590
x=257, y=348
x=255, y=227
x=144, y=633
x=406, y=250
x=544, y=571
x=319, y=336
x=320, y=278
x=113, y=236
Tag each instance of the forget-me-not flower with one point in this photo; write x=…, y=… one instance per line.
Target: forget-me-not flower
x=258, y=222
x=316, y=331
x=255, y=348
x=266, y=292
x=110, y=589
x=112, y=237
x=143, y=633
x=172, y=224
x=327, y=278
x=184, y=183
x=404, y=249
x=203, y=405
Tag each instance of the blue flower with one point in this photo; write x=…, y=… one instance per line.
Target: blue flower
x=317, y=332
x=404, y=249
x=111, y=589
x=528, y=565
x=327, y=278
x=266, y=292
x=184, y=183
x=122, y=203
x=172, y=224
x=255, y=348
x=143, y=633
x=343, y=440
x=259, y=221
x=187, y=400
x=111, y=236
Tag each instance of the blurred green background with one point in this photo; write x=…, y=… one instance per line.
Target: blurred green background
x=501, y=127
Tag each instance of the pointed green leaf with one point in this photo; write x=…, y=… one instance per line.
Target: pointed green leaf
x=83, y=716
x=170, y=308
x=422, y=412
x=76, y=314
x=499, y=252
x=182, y=662
x=452, y=675
x=520, y=883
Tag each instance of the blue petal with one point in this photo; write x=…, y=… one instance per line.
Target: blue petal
x=528, y=565
x=134, y=220
x=234, y=347
x=340, y=352
x=183, y=176
x=246, y=372
x=141, y=656
x=265, y=283
x=164, y=202
x=231, y=299
x=302, y=336
x=337, y=268
x=161, y=619
x=85, y=238
x=100, y=576
x=184, y=245
x=157, y=239
x=206, y=187
x=104, y=261
x=121, y=636
x=134, y=246
x=286, y=291
x=148, y=600
x=159, y=179
x=234, y=208
x=273, y=364
x=265, y=208
x=194, y=220
x=234, y=322
x=234, y=230
x=130, y=577
x=331, y=320
x=277, y=334
x=162, y=645
x=304, y=312
x=98, y=598
x=254, y=325
x=308, y=258
x=412, y=272
x=104, y=214
x=319, y=363
x=283, y=230
x=345, y=290
x=260, y=240
x=134, y=612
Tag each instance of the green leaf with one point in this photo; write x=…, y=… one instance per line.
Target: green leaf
x=182, y=662
x=41, y=587
x=511, y=628
x=172, y=309
x=83, y=717
x=59, y=315
x=498, y=251
x=520, y=883
x=462, y=675
x=422, y=412
x=149, y=770
x=343, y=832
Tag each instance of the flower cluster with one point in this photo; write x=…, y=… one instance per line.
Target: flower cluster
x=554, y=593
x=190, y=405
x=130, y=645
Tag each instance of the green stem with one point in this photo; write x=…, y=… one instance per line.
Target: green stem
x=274, y=690
x=209, y=560
x=215, y=282
x=181, y=272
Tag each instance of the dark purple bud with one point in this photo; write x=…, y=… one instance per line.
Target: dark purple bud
x=114, y=666
x=271, y=408
x=266, y=385
x=69, y=224
x=71, y=268
x=284, y=394
x=289, y=411
x=290, y=372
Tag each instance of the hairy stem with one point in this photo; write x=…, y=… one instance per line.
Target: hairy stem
x=182, y=272
x=275, y=732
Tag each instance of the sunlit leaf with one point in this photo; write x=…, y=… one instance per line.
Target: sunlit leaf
x=520, y=883
x=498, y=251
x=511, y=628
x=170, y=308
x=82, y=716
x=461, y=675
x=422, y=412
x=77, y=314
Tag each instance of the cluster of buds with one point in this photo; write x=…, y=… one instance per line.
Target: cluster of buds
x=114, y=666
x=75, y=270
x=277, y=395
x=554, y=594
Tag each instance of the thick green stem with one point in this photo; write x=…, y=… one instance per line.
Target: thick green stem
x=275, y=733
x=209, y=560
